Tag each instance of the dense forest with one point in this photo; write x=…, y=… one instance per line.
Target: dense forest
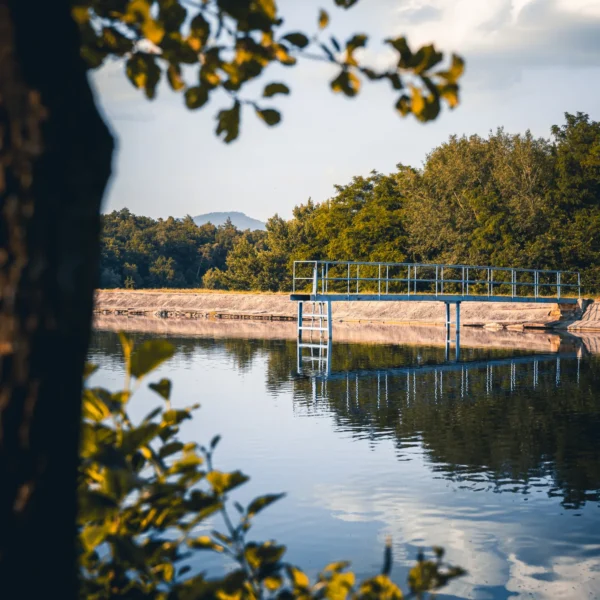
x=506, y=200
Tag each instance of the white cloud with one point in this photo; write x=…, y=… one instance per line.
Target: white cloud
x=499, y=544
x=505, y=35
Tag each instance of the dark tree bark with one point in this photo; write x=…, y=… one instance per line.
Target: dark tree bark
x=55, y=159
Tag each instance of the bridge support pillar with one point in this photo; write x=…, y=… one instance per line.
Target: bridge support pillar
x=456, y=332
x=300, y=307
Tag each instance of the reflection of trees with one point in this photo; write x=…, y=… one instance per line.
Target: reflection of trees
x=484, y=438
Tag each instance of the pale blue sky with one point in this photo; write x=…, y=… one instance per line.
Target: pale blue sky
x=528, y=61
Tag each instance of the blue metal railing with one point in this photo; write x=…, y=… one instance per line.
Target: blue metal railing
x=383, y=279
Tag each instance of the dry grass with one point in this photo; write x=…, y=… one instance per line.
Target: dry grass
x=189, y=291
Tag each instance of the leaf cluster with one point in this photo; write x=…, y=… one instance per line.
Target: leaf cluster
x=201, y=47
x=148, y=502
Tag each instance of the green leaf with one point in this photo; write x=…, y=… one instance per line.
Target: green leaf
x=269, y=116
x=174, y=77
x=149, y=355
x=88, y=370
x=162, y=388
x=346, y=82
x=95, y=506
x=296, y=39
x=357, y=41
x=196, y=97
x=261, y=555
x=275, y=88
x=336, y=567
x=323, y=19
x=204, y=542
x=170, y=448
x=92, y=536
x=143, y=72
x=345, y=3
x=199, y=32
x=228, y=122
x=224, y=482
x=454, y=73
x=298, y=578
x=126, y=345
x=174, y=417
x=93, y=407
x=262, y=502
x=140, y=436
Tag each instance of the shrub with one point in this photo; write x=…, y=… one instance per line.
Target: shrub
x=145, y=497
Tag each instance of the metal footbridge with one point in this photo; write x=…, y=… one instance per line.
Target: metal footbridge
x=318, y=284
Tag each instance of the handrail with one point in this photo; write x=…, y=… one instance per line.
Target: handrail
x=388, y=278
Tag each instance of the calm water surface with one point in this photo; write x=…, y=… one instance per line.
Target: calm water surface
x=497, y=460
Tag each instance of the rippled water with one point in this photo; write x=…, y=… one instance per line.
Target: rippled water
x=496, y=458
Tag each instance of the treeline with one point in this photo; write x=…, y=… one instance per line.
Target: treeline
x=505, y=200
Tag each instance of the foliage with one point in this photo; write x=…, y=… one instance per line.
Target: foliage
x=205, y=47
x=148, y=502
x=505, y=200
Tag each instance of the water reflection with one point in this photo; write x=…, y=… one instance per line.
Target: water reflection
x=495, y=457
x=498, y=424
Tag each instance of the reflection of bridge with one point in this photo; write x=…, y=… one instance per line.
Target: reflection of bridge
x=320, y=283
x=517, y=373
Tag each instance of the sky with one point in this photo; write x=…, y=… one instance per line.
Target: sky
x=528, y=62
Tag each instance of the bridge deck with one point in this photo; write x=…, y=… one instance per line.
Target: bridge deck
x=450, y=298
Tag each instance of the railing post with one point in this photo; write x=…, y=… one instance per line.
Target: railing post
x=387, y=279
x=348, y=281
x=489, y=282
x=315, y=279
x=379, y=281
x=467, y=281
x=415, y=276
x=357, y=276
x=300, y=307
x=436, y=280
x=294, y=278
x=558, y=284
x=408, y=279
x=442, y=281
x=463, y=282
x=329, y=322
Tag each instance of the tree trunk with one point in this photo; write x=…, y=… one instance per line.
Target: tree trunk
x=55, y=157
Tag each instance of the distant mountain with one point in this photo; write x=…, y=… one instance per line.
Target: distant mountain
x=239, y=219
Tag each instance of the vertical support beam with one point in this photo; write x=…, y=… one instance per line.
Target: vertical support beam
x=315, y=285
x=348, y=281
x=300, y=309
x=457, y=319
x=408, y=279
x=329, y=322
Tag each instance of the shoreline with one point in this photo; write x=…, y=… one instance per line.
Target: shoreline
x=192, y=305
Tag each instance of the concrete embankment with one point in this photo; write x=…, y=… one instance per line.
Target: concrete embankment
x=278, y=307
